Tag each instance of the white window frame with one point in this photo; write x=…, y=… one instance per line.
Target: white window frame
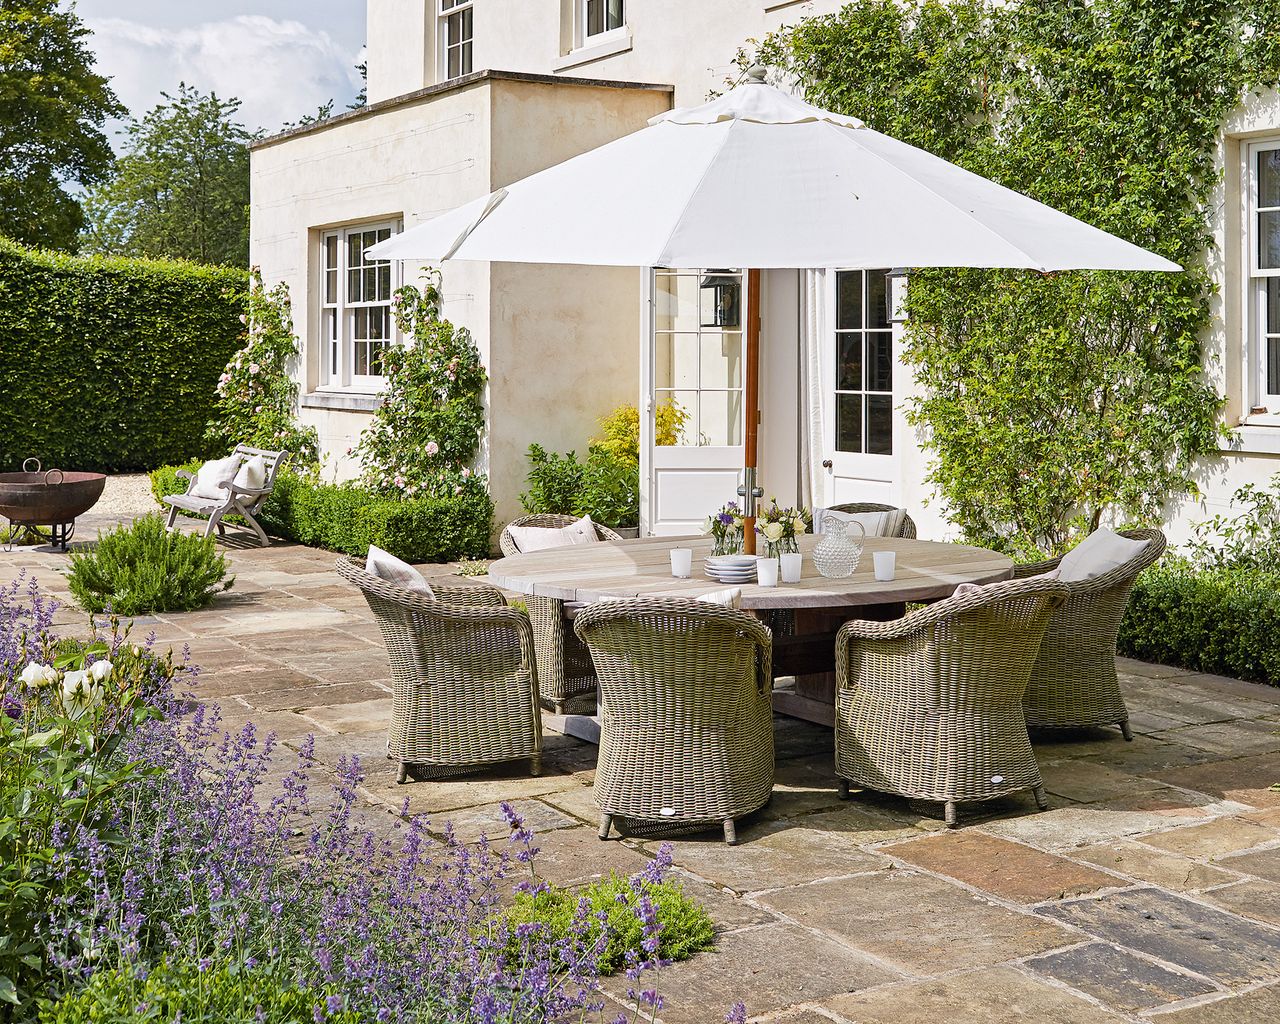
x=1258, y=393
x=582, y=39
x=337, y=354
x=861, y=462
x=445, y=10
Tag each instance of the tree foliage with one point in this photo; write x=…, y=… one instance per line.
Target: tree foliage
x=1054, y=403
x=52, y=110
x=181, y=189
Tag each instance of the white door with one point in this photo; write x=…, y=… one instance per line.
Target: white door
x=692, y=366
x=861, y=455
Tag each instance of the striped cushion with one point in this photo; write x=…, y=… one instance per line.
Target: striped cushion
x=396, y=571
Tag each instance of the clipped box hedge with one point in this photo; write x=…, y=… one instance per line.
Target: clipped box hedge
x=346, y=518
x=110, y=364
x=1223, y=620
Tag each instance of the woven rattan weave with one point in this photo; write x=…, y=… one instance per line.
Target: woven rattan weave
x=906, y=530
x=465, y=684
x=564, y=666
x=686, y=719
x=1073, y=684
x=929, y=706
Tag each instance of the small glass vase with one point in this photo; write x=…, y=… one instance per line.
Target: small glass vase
x=837, y=555
x=727, y=543
x=780, y=547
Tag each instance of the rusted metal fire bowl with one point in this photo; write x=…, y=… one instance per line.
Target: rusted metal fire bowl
x=51, y=498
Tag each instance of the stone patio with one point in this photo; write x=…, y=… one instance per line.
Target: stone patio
x=1149, y=891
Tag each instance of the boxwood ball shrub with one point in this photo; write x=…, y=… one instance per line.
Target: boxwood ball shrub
x=143, y=568
x=110, y=364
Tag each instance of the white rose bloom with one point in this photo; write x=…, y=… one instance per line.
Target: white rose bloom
x=772, y=532
x=36, y=676
x=79, y=692
x=100, y=671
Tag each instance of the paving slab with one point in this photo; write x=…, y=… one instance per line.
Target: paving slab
x=1007, y=869
x=918, y=923
x=992, y=996
x=1064, y=828
x=320, y=699
x=370, y=715
x=1263, y=864
x=1213, y=839
x=469, y=824
x=769, y=968
x=1119, y=977
x=1246, y=780
x=1210, y=942
x=1233, y=738
x=575, y=856
x=508, y=781
x=1168, y=870
x=1255, y=898
x=1083, y=781
x=1259, y=1006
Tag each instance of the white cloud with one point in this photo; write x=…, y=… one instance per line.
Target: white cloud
x=280, y=70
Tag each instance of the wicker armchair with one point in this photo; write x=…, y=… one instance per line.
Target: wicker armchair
x=907, y=530
x=686, y=712
x=930, y=706
x=1073, y=684
x=465, y=683
x=564, y=666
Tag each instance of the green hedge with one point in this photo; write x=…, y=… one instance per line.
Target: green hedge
x=343, y=517
x=1222, y=620
x=110, y=363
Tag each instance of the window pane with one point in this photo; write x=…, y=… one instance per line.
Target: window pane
x=616, y=15
x=354, y=291
x=879, y=361
x=686, y=401
x=877, y=300
x=1269, y=241
x=849, y=362
x=849, y=423
x=384, y=282
x=1273, y=366
x=360, y=322
x=370, y=284
x=330, y=286
x=676, y=361
x=1269, y=177
x=721, y=361
x=595, y=17
x=1271, y=299
x=676, y=301
x=721, y=299
x=360, y=368
x=879, y=424
x=330, y=252
x=849, y=300
x=721, y=419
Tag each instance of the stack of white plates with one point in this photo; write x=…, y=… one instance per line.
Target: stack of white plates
x=732, y=568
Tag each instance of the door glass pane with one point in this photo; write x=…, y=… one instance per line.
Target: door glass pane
x=1269, y=240
x=721, y=299
x=849, y=423
x=879, y=424
x=721, y=418
x=687, y=402
x=849, y=362
x=849, y=300
x=721, y=361
x=877, y=299
x=677, y=300
x=879, y=361
x=1269, y=177
x=676, y=361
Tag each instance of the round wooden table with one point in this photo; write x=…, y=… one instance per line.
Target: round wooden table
x=642, y=568
x=804, y=653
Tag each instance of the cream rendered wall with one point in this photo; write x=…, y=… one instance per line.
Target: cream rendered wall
x=399, y=47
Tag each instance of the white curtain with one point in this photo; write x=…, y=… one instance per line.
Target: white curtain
x=814, y=389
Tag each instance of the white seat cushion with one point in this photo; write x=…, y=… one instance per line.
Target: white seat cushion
x=730, y=597
x=396, y=571
x=212, y=478
x=1098, y=553
x=541, y=538
x=253, y=474
x=877, y=524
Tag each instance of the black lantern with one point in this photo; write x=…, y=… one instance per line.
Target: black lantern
x=721, y=299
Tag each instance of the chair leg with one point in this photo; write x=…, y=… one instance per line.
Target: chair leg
x=949, y=814
x=211, y=525
x=535, y=764
x=730, y=832
x=262, y=534
x=173, y=517
x=843, y=785
x=403, y=777
x=1125, y=731
x=1042, y=801
x=606, y=823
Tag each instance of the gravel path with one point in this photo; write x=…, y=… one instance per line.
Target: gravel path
x=125, y=496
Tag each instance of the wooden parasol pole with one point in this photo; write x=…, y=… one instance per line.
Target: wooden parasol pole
x=751, y=415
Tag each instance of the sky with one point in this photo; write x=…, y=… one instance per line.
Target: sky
x=281, y=58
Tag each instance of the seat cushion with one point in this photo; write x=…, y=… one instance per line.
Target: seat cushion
x=730, y=597
x=212, y=478
x=877, y=524
x=1100, y=552
x=396, y=571
x=541, y=538
x=253, y=474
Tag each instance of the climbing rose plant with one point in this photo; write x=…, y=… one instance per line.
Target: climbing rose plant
x=1052, y=404
x=257, y=397
x=425, y=435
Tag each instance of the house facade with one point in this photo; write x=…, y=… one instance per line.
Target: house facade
x=466, y=96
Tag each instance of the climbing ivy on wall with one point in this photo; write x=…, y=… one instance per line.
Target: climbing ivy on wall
x=1054, y=403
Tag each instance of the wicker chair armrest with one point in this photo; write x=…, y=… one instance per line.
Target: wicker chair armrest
x=479, y=595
